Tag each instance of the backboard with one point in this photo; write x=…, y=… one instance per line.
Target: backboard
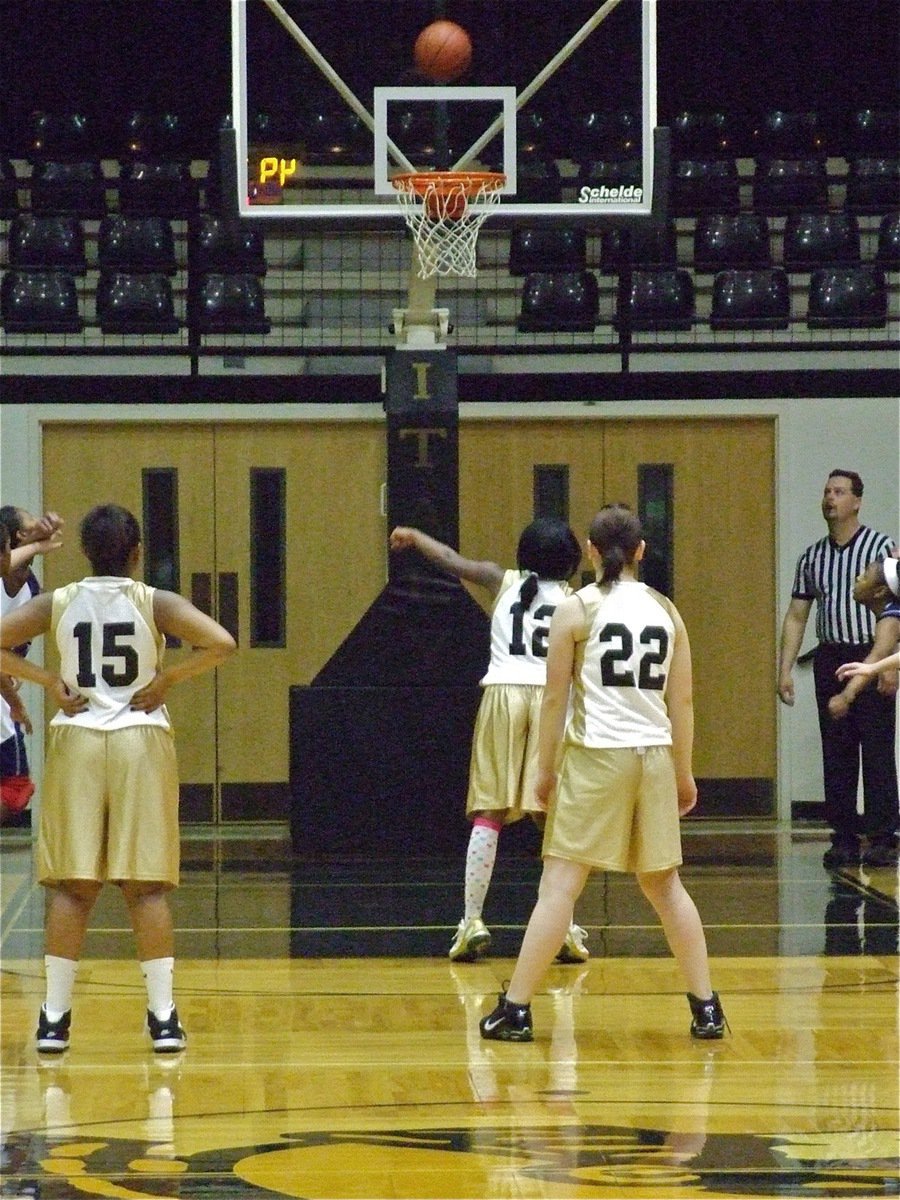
x=328, y=106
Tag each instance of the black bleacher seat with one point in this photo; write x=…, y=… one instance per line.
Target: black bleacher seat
x=754, y=299
x=136, y=303
x=887, y=252
x=9, y=190
x=157, y=188
x=538, y=178
x=606, y=134
x=562, y=301
x=704, y=134
x=658, y=300
x=873, y=184
x=68, y=189
x=227, y=303
x=136, y=244
x=783, y=186
x=223, y=245
x=872, y=132
x=47, y=244
x=847, y=298
x=334, y=135
x=780, y=133
x=731, y=240
x=705, y=185
x=644, y=244
x=547, y=248
x=40, y=302
x=820, y=239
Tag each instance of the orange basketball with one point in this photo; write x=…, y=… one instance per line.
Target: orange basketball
x=450, y=205
x=443, y=51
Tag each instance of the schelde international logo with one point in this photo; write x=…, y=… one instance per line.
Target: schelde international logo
x=609, y=195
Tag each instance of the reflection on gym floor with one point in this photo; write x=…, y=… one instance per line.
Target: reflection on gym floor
x=334, y=1049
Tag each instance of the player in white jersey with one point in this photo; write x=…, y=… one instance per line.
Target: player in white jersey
x=503, y=762
x=110, y=803
x=624, y=763
x=27, y=536
x=878, y=587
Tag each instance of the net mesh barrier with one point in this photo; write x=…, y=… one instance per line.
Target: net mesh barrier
x=444, y=212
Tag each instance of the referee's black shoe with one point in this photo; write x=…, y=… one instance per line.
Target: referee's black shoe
x=880, y=852
x=843, y=852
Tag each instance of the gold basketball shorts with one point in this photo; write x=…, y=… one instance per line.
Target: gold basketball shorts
x=503, y=764
x=109, y=807
x=616, y=809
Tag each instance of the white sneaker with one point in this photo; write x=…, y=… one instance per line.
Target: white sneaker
x=573, y=949
x=471, y=940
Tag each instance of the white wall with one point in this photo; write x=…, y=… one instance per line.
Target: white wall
x=813, y=436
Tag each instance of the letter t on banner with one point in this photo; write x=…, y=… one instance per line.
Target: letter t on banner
x=423, y=446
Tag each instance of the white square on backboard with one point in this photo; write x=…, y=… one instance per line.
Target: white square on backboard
x=506, y=96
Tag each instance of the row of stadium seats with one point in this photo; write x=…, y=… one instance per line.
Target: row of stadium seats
x=580, y=133
x=134, y=244
x=561, y=301
x=176, y=188
x=132, y=303
x=837, y=298
x=219, y=244
x=808, y=240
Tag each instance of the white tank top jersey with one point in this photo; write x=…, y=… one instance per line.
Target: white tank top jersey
x=9, y=604
x=622, y=667
x=109, y=648
x=519, y=638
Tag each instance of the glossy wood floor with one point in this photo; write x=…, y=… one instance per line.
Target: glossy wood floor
x=334, y=1051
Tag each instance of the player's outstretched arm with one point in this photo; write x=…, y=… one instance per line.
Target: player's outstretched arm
x=868, y=669
x=486, y=574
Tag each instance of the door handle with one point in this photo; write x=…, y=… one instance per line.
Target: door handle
x=228, y=603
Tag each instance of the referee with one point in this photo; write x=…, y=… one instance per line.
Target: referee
x=826, y=572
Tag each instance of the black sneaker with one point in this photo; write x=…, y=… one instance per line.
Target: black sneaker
x=53, y=1036
x=843, y=852
x=708, y=1020
x=167, y=1036
x=880, y=852
x=508, y=1022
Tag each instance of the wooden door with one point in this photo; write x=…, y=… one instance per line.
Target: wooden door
x=723, y=560
x=333, y=567
x=721, y=526
x=92, y=464
x=275, y=530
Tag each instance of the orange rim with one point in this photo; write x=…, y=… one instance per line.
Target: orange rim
x=445, y=182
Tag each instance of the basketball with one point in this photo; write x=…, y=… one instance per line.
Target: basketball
x=443, y=51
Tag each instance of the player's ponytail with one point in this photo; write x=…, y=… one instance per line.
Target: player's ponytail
x=616, y=534
x=528, y=590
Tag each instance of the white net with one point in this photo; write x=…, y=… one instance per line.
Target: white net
x=444, y=214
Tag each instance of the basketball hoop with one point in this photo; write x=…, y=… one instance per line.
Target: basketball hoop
x=444, y=211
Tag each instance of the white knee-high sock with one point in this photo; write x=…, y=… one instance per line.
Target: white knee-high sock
x=158, y=974
x=60, y=981
x=480, y=858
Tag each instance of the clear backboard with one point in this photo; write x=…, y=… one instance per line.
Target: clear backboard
x=328, y=105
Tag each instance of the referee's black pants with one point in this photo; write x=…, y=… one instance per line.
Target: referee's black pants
x=865, y=735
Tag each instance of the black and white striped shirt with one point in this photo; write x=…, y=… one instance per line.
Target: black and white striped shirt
x=826, y=573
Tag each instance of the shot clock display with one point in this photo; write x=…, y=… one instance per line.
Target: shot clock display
x=270, y=170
